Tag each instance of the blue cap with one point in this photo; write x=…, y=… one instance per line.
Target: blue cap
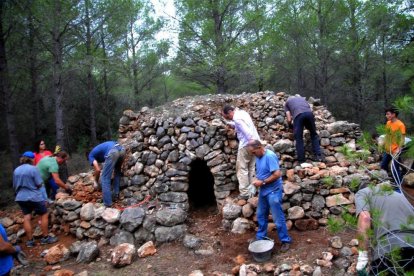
x=28, y=154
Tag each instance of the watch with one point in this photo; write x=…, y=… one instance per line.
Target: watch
x=263, y=182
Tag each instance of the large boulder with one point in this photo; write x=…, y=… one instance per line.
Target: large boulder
x=131, y=218
x=121, y=237
x=171, y=217
x=168, y=234
x=56, y=254
x=231, y=211
x=87, y=211
x=123, y=255
x=88, y=252
x=111, y=215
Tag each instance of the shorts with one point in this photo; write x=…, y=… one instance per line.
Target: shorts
x=29, y=206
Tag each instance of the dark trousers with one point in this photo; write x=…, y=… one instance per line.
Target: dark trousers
x=305, y=120
x=395, y=167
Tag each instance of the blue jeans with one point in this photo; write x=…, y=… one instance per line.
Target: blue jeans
x=272, y=202
x=395, y=167
x=113, y=162
x=301, y=121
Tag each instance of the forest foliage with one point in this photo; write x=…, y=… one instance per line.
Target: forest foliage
x=69, y=68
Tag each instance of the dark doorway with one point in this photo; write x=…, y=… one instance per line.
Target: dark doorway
x=201, y=185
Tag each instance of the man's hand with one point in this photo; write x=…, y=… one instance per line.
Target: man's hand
x=258, y=183
x=68, y=189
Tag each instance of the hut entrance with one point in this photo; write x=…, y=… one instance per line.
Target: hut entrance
x=201, y=185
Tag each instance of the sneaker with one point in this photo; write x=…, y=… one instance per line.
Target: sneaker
x=30, y=243
x=48, y=240
x=285, y=247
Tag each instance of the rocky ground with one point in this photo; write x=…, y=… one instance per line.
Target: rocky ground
x=213, y=251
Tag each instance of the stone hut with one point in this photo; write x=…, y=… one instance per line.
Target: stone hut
x=181, y=156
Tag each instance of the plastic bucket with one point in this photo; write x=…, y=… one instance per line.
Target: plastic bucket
x=261, y=250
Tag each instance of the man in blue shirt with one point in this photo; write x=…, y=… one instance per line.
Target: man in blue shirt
x=111, y=154
x=269, y=182
x=6, y=253
x=27, y=184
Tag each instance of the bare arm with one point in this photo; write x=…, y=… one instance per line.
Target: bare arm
x=59, y=181
x=288, y=117
x=273, y=177
x=97, y=169
x=364, y=224
x=6, y=248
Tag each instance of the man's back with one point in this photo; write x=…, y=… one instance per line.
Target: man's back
x=47, y=166
x=297, y=105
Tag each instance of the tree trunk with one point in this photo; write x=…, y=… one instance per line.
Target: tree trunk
x=89, y=77
x=134, y=66
x=36, y=129
x=6, y=94
x=58, y=75
x=106, y=87
x=219, y=44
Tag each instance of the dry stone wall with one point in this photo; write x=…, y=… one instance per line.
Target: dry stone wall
x=161, y=144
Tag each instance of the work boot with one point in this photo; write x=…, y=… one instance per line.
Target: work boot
x=30, y=243
x=285, y=247
x=48, y=240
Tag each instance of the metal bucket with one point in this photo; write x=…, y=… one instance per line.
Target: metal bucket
x=261, y=250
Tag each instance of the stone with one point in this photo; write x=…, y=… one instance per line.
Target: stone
x=196, y=273
x=147, y=249
x=142, y=235
x=340, y=127
x=171, y=217
x=353, y=242
x=121, y=237
x=247, y=210
x=111, y=215
x=71, y=204
x=336, y=200
x=123, y=255
x=131, y=218
x=342, y=263
x=6, y=222
x=240, y=226
x=83, y=273
x=87, y=211
x=56, y=254
x=75, y=247
x=173, y=197
x=336, y=242
x=306, y=224
x=324, y=263
x=296, y=212
x=345, y=251
x=409, y=179
x=283, y=145
x=63, y=272
x=202, y=151
x=88, y=252
x=191, y=241
x=231, y=211
x=168, y=234
x=306, y=269
x=317, y=271
x=290, y=188
x=269, y=267
x=253, y=201
x=85, y=224
x=205, y=251
x=318, y=202
x=138, y=180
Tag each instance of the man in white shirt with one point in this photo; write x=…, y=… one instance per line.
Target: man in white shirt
x=246, y=131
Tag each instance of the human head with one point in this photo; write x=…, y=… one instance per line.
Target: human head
x=228, y=112
x=40, y=145
x=61, y=157
x=256, y=148
x=27, y=158
x=391, y=113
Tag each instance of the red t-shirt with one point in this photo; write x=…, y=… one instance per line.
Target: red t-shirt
x=39, y=156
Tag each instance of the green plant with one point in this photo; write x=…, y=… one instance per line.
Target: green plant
x=335, y=225
x=328, y=181
x=354, y=184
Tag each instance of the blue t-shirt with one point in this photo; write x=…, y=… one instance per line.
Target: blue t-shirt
x=6, y=261
x=27, y=182
x=265, y=166
x=100, y=151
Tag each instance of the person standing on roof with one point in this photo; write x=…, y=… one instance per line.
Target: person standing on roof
x=111, y=154
x=298, y=110
x=246, y=131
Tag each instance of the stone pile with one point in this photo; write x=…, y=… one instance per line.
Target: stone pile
x=161, y=144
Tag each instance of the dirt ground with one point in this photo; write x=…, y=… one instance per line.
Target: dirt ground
x=175, y=259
